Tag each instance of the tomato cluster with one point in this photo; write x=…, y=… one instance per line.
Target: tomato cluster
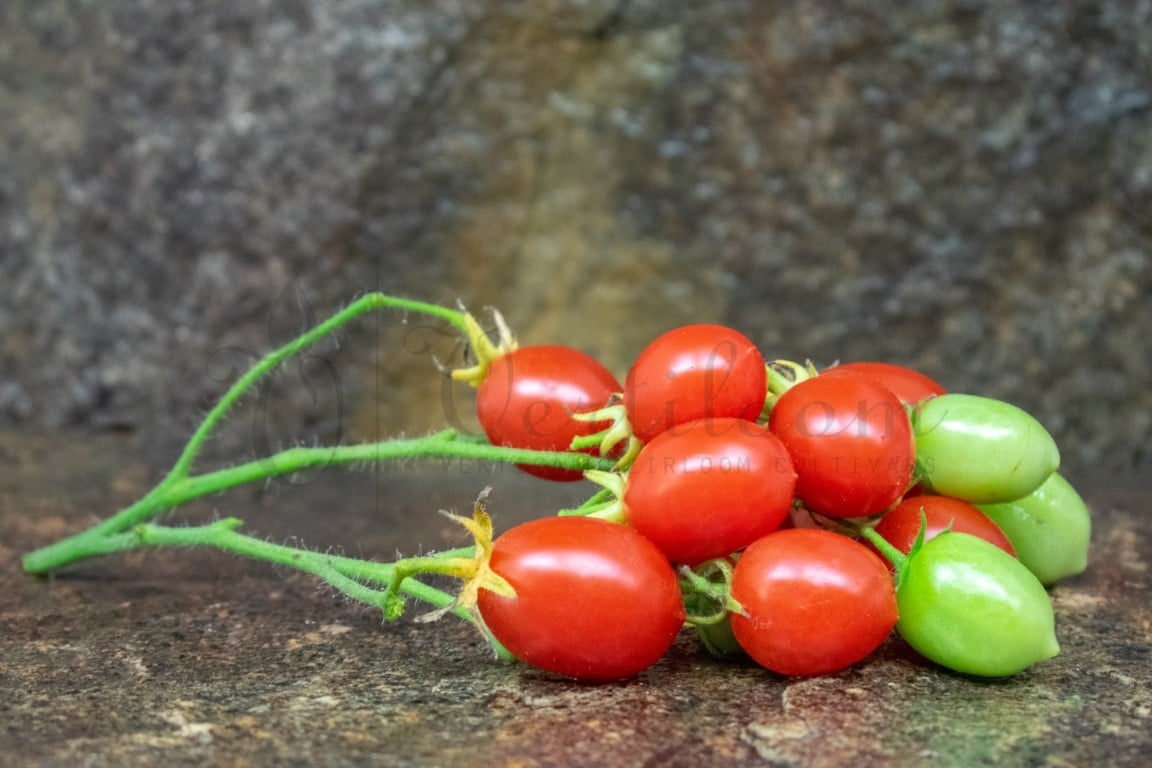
x=793, y=515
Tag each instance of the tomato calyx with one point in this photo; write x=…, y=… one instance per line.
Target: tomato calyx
x=899, y=559
x=617, y=432
x=782, y=376
x=707, y=591
x=709, y=606
x=475, y=570
x=483, y=348
x=611, y=509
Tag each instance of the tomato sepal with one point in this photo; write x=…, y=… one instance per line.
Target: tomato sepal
x=782, y=375
x=483, y=348
x=606, y=440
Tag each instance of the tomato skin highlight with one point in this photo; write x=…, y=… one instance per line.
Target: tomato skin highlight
x=901, y=525
x=981, y=450
x=909, y=385
x=594, y=600
x=850, y=441
x=529, y=395
x=709, y=488
x=694, y=372
x=969, y=606
x=817, y=602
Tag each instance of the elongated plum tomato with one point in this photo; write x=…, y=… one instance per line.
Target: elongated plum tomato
x=908, y=384
x=529, y=395
x=594, y=600
x=1050, y=529
x=901, y=525
x=850, y=441
x=981, y=450
x=709, y=488
x=970, y=606
x=816, y=601
x=694, y=372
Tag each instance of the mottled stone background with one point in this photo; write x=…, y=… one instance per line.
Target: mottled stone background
x=966, y=187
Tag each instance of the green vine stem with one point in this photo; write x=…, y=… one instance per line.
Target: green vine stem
x=898, y=559
x=179, y=486
x=894, y=555
x=174, y=491
x=347, y=574
x=350, y=575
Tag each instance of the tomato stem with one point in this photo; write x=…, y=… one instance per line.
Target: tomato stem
x=591, y=504
x=894, y=555
x=175, y=491
x=350, y=575
x=179, y=486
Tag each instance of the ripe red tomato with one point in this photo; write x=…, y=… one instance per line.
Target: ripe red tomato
x=529, y=395
x=901, y=524
x=850, y=440
x=594, y=600
x=908, y=384
x=709, y=488
x=817, y=602
x=694, y=372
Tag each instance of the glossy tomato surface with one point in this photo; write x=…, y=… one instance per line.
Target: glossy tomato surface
x=816, y=601
x=594, y=600
x=971, y=607
x=529, y=395
x=709, y=488
x=908, y=384
x=901, y=525
x=850, y=441
x=694, y=372
x=981, y=450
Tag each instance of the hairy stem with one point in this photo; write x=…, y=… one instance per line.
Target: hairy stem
x=344, y=573
x=173, y=492
x=308, y=338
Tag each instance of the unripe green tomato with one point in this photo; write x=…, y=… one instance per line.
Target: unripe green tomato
x=973, y=608
x=981, y=450
x=1049, y=528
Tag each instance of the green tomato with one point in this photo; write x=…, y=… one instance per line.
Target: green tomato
x=1049, y=528
x=973, y=608
x=981, y=450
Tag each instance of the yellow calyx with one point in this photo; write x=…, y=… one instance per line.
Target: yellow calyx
x=606, y=440
x=484, y=350
x=477, y=570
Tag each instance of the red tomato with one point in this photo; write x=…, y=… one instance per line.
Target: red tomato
x=709, y=488
x=529, y=395
x=694, y=372
x=594, y=600
x=909, y=385
x=817, y=602
x=850, y=440
x=901, y=524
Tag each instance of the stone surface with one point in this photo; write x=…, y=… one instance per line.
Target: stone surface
x=965, y=187
x=193, y=658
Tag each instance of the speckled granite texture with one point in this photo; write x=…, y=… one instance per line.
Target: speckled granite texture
x=966, y=187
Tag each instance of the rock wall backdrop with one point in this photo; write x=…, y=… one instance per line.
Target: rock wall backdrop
x=965, y=187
